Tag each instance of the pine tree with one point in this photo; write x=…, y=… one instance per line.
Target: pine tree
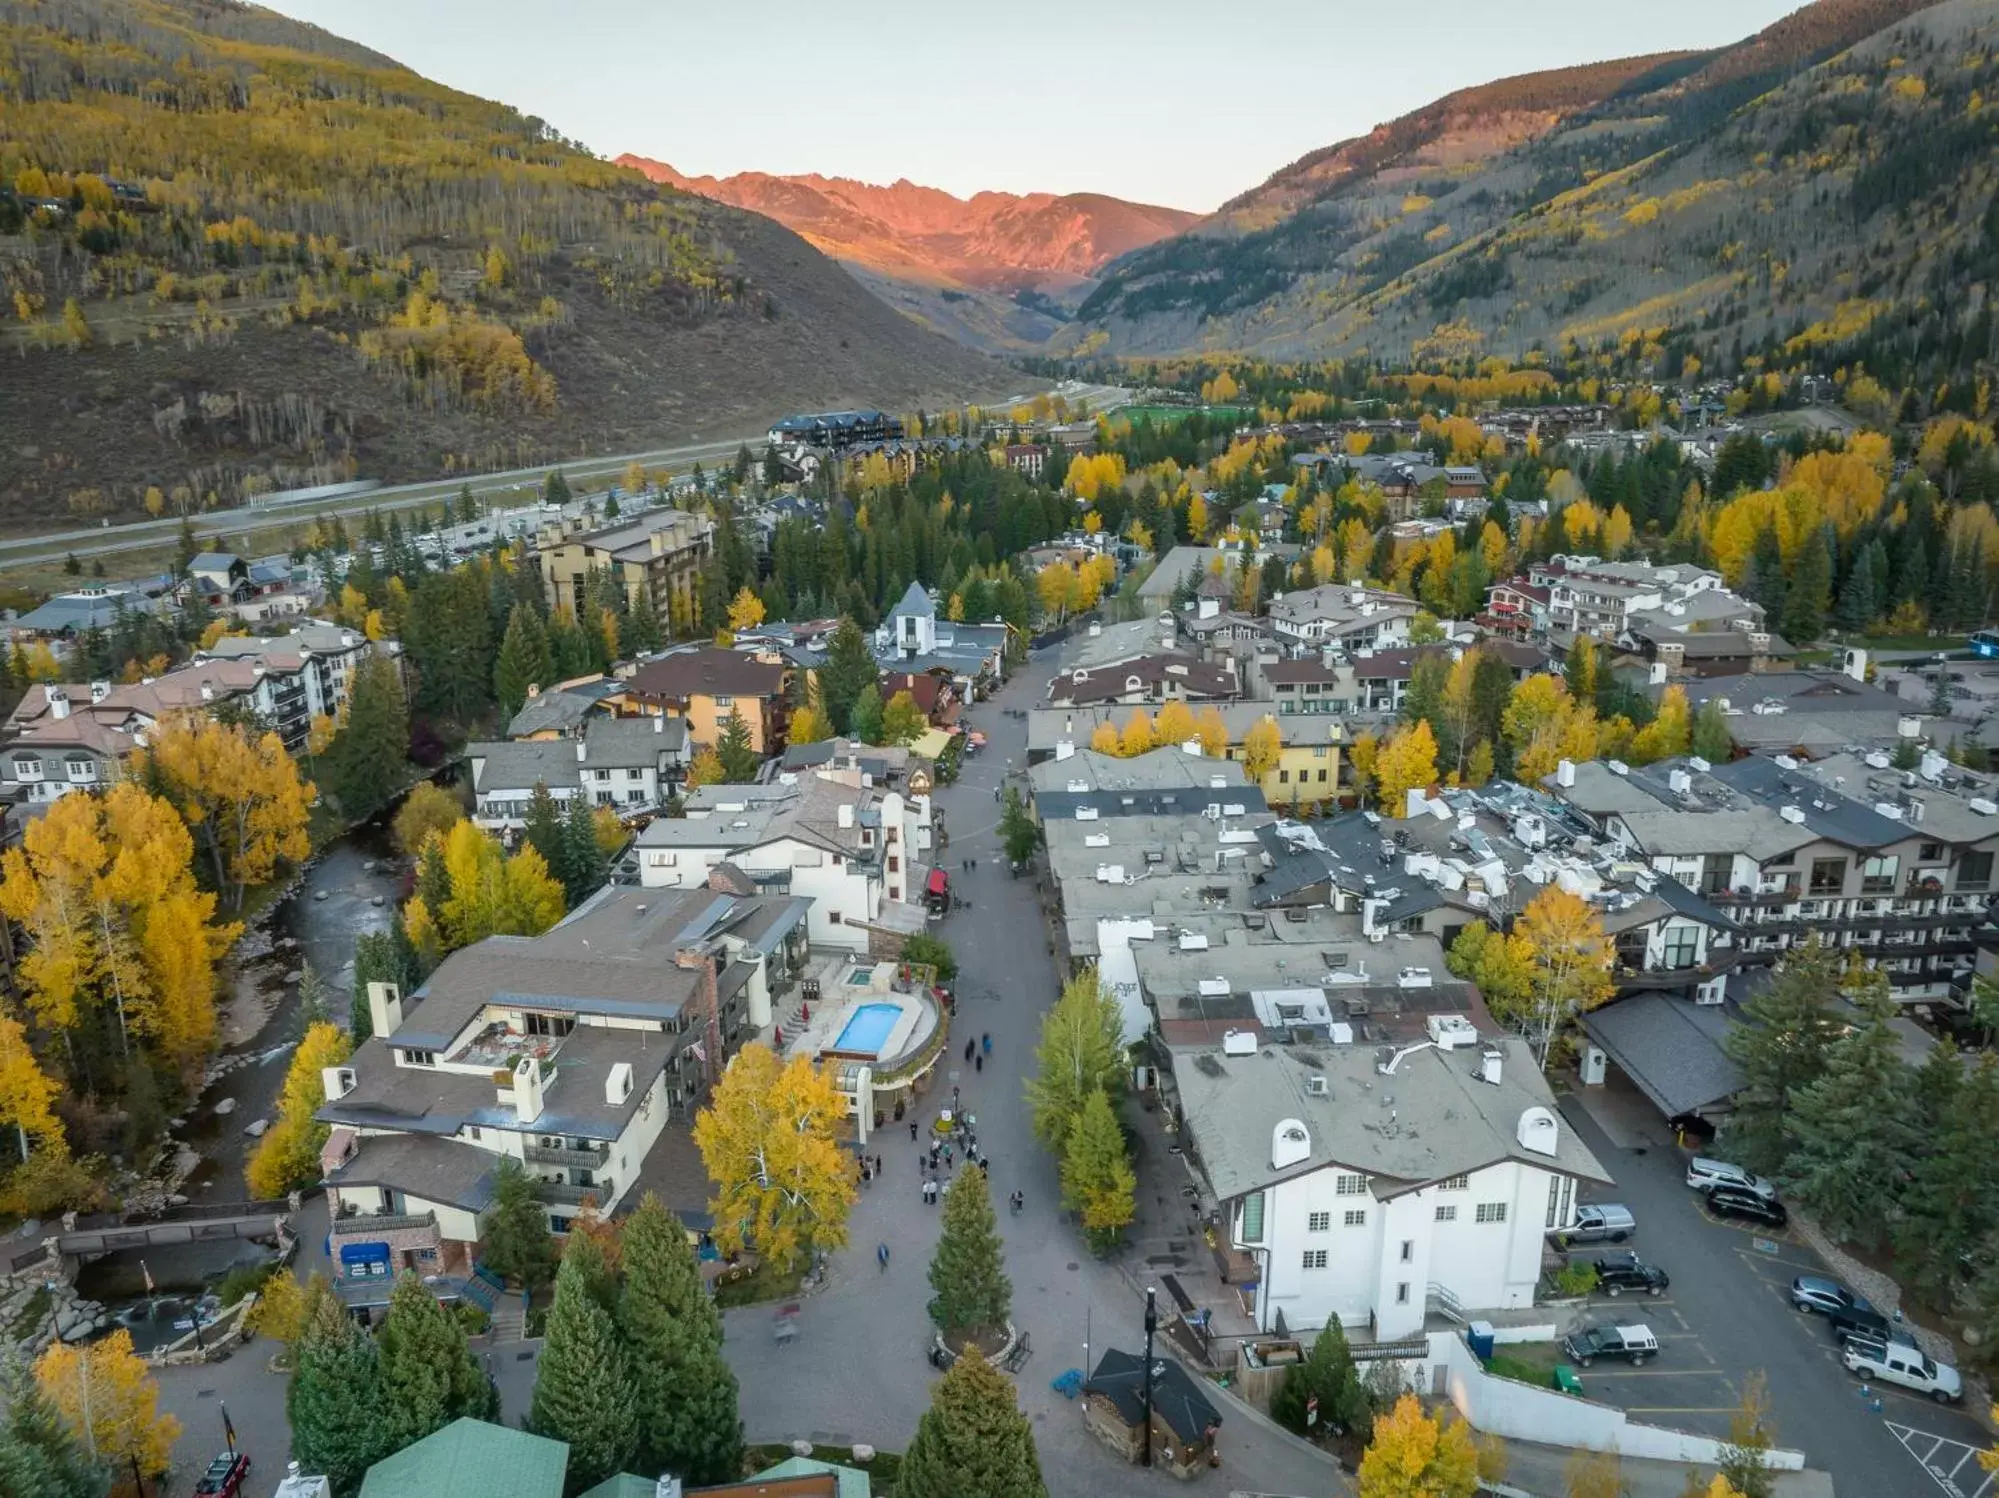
x=555, y=489
x=38, y=1454
x=1097, y=1180
x=1852, y=1133
x=313, y=1005
x=1952, y=1204
x=865, y=721
x=849, y=667
x=1854, y=609
x=1712, y=740
x=368, y=757
x=583, y=864
x=582, y=1387
x=972, y=1442
x=340, y=1420
x=518, y=1245
x=684, y=1392
x=429, y=1375
x=543, y=830
x=1329, y=1373
x=525, y=660
x=644, y=633
x=1808, y=593
x=1781, y=1048
x=973, y=1295
x=740, y=762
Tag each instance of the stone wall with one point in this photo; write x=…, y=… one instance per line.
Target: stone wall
x=38, y=1306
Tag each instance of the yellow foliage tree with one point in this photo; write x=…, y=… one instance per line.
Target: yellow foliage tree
x=1407, y=762
x=1568, y=957
x=240, y=794
x=808, y=726
x=1414, y=1455
x=493, y=894
x=1104, y=739
x=746, y=611
x=1213, y=733
x=1197, y=519
x=27, y=1094
x=1137, y=737
x=1262, y=747
x=782, y=1183
x=287, y=1157
x=706, y=770
x=1174, y=724
x=106, y=1395
x=1670, y=731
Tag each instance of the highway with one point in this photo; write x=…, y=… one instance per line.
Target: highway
x=104, y=541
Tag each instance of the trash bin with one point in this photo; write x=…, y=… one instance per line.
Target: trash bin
x=1565, y=1379
x=1480, y=1337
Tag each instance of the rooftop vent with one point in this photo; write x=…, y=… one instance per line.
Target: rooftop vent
x=1791, y=813
x=1698, y=765
x=1317, y=1086
x=1450, y=1031
x=1238, y=1043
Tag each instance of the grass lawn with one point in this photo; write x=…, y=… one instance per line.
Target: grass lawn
x=762, y=1283
x=1526, y=1362
x=1944, y=643
x=882, y=1471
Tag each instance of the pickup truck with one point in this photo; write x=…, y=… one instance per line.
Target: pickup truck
x=1635, y=1344
x=1899, y=1363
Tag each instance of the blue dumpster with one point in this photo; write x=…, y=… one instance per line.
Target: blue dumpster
x=1479, y=1336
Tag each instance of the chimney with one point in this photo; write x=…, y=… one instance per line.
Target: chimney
x=1658, y=674
x=667, y=1487
x=846, y=814
x=1565, y=772
x=99, y=690
x=337, y=1081
x=618, y=1084
x=207, y=692
x=658, y=542
x=385, y=1008
x=582, y=751
x=1855, y=664
x=534, y=690
x=58, y=701
x=658, y=724
x=527, y=1089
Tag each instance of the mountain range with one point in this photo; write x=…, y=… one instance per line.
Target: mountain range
x=244, y=254
x=999, y=270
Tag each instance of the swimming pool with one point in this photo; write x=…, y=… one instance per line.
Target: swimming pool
x=867, y=1028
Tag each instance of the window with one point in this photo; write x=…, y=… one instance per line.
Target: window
x=1250, y=1228
x=1318, y=1222
x=659, y=860
x=894, y=864
x=1357, y=1217
x=1492, y=1211
x=1402, y=1293
x=1683, y=945
x=419, y=1058
x=27, y=769
x=1315, y=1258
x=1447, y=1214
x=548, y=1024
x=722, y=702
x=1455, y=1183
x=473, y=1133
x=1319, y=751
x=1408, y=1250
x=1322, y=777
x=1828, y=876
x=1561, y=1194
x=1930, y=852
x=1877, y=875
x=1974, y=871
x=1350, y=1185
x=1283, y=777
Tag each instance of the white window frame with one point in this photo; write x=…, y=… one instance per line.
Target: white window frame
x=1493, y=1212
x=1318, y=1222
x=1356, y=1217
x=1347, y=1184
x=1447, y=1212
x=1314, y=1258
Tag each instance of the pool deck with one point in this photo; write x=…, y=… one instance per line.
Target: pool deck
x=840, y=999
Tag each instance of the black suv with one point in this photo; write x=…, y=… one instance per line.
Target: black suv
x=1736, y=1201
x=1616, y=1273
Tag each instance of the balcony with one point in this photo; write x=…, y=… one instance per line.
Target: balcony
x=1743, y=899
x=592, y=1157
x=374, y=1224
x=561, y=1193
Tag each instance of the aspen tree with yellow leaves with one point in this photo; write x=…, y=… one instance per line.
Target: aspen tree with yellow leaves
x=240, y=794
x=782, y=1183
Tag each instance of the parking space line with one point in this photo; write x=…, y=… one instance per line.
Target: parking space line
x=1933, y=1462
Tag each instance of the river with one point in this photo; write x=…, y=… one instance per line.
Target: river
x=352, y=873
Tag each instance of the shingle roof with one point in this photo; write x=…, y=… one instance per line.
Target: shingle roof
x=1670, y=1048
x=707, y=672
x=915, y=603
x=1176, y=1398
x=471, y=1459
x=438, y=1170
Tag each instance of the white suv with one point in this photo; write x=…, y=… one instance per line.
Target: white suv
x=1704, y=1175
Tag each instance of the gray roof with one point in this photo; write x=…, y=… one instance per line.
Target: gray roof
x=438, y=1170
x=76, y=612
x=614, y=743
x=1176, y=1397
x=915, y=603
x=561, y=708
x=1671, y=1048
x=212, y=561
x=1445, y=1120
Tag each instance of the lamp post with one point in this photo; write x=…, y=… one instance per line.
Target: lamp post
x=1151, y=1325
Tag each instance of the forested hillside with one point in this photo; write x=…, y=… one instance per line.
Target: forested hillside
x=239, y=253
x=1817, y=181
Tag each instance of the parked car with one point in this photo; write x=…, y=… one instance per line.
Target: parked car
x=1635, y=1344
x=1734, y=1201
x=1848, y=1313
x=225, y=1476
x=1598, y=1222
x=1704, y=1175
x=1616, y=1273
x=1899, y=1363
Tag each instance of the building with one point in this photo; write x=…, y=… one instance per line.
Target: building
x=1894, y=866
x=1189, y=565
x=561, y=710
x=833, y=431
x=567, y=1052
x=971, y=656
x=655, y=555
x=1149, y=679
x=1810, y=713
x=1348, y=615
x=1118, y=1401
x=218, y=577
x=705, y=686
x=630, y=765
x=306, y=674
x=1310, y=762
x=856, y=852
x=1026, y=458
x=1365, y=1180
x=65, y=616
x=1592, y=597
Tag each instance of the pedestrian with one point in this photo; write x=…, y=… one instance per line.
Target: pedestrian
x=879, y=1169
x=947, y=1157
x=978, y=1063
x=881, y=1256
x=985, y=1167
x=970, y=1046
x=986, y=1044
x=867, y=1172
x=996, y=793
x=912, y=1131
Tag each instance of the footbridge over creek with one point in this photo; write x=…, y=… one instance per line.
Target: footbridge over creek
x=87, y=1236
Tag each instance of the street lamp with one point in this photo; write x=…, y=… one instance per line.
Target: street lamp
x=1145, y=1431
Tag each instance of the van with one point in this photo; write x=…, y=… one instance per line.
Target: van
x=1598, y=1222
x=1704, y=1175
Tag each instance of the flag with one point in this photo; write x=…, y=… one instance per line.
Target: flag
x=229, y=1430
x=694, y=1048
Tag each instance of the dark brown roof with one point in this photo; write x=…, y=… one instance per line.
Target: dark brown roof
x=1296, y=673
x=707, y=672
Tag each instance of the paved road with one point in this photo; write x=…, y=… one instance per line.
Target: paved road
x=1728, y=1315
x=857, y=1370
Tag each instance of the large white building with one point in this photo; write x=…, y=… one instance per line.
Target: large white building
x=856, y=852
x=1349, y=615
x=629, y=765
x=1366, y=1183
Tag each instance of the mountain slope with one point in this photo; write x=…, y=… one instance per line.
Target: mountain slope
x=1014, y=259
x=291, y=260
x=1431, y=220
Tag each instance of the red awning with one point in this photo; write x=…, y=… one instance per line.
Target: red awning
x=940, y=882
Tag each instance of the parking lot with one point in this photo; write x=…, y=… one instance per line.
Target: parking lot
x=1728, y=1315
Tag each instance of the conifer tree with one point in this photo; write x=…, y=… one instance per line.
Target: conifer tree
x=866, y=720
x=684, y=1391
x=973, y=1295
x=1853, y=1134
x=525, y=660
x=1329, y=1374
x=582, y=868
x=1097, y=1180
x=973, y=1441
x=544, y=830
x=740, y=761
x=1780, y=1049
x=429, y=1375
x=1952, y=1204
x=518, y=1245
x=849, y=667
x=38, y=1454
x=643, y=631
x=1712, y=740
x=340, y=1420
x=583, y=1388
x=367, y=758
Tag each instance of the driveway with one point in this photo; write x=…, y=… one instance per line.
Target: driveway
x=1728, y=1315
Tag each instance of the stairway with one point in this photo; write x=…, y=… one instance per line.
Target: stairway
x=1445, y=1304
x=509, y=1320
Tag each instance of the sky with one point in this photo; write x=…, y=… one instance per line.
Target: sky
x=1165, y=102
